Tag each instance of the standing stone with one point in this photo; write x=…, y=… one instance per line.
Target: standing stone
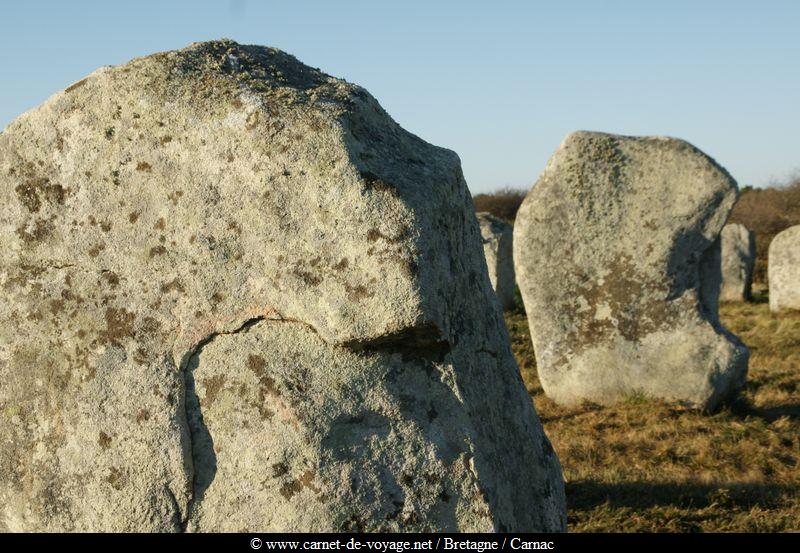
x=237, y=296
x=617, y=257
x=498, y=249
x=738, y=246
x=783, y=266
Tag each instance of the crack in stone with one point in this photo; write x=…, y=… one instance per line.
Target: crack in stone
x=210, y=338
x=414, y=343
x=201, y=443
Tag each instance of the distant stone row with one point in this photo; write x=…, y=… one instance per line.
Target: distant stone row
x=737, y=259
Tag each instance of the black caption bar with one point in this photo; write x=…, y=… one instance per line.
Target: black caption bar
x=405, y=543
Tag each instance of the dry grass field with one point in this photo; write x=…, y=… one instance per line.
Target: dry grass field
x=648, y=466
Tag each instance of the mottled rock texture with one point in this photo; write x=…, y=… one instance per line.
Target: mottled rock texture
x=238, y=296
x=738, y=253
x=498, y=249
x=783, y=264
x=617, y=257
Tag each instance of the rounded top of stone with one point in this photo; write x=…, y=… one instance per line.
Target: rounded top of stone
x=655, y=140
x=582, y=135
x=486, y=216
x=492, y=222
x=734, y=226
x=787, y=236
x=594, y=146
x=227, y=156
x=252, y=68
x=211, y=74
x=734, y=229
x=249, y=62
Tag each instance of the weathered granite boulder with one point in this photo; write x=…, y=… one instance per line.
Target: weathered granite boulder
x=738, y=251
x=783, y=266
x=617, y=257
x=498, y=249
x=238, y=296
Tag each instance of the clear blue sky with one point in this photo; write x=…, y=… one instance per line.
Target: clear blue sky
x=501, y=83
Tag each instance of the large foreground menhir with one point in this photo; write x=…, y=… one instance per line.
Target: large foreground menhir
x=238, y=296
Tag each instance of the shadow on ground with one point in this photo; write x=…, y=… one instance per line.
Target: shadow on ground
x=743, y=409
x=588, y=494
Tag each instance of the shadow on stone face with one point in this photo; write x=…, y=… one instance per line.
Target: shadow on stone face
x=704, y=272
x=422, y=397
x=693, y=263
x=204, y=459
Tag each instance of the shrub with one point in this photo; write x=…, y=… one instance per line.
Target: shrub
x=767, y=211
x=502, y=203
